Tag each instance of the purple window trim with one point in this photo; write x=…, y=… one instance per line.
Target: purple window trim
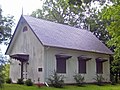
x=25, y=29
x=82, y=66
x=63, y=56
x=101, y=60
x=61, y=65
x=82, y=63
x=61, y=62
x=99, y=67
x=82, y=57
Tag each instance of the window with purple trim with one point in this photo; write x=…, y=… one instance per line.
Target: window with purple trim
x=99, y=67
x=25, y=29
x=61, y=65
x=82, y=66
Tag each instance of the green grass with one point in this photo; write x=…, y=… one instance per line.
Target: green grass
x=86, y=87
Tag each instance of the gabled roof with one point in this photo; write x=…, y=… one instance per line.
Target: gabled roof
x=63, y=36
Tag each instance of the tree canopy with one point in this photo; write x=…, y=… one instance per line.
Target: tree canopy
x=83, y=14
x=112, y=14
x=6, y=23
x=3, y=60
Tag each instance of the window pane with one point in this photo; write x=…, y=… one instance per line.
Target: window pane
x=99, y=67
x=61, y=65
x=82, y=66
x=25, y=29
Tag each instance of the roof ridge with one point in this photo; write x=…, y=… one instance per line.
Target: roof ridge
x=85, y=30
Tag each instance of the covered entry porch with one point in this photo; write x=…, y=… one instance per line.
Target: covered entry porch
x=22, y=58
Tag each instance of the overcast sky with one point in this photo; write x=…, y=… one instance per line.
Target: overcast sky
x=14, y=8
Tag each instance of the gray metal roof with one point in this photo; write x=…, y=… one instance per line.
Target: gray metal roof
x=64, y=36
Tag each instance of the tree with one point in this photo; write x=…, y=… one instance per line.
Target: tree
x=58, y=11
x=77, y=13
x=6, y=70
x=6, y=24
x=1, y=76
x=2, y=63
x=112, y=13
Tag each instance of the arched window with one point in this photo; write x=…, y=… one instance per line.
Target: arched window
x=25, y=29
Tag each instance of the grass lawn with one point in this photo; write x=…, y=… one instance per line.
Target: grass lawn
x=86, y=87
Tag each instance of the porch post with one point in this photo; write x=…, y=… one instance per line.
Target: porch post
x=21, y=69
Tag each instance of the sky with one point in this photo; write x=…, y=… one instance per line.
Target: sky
x=14, y=8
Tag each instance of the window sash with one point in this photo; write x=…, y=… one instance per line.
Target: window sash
x=61, y=65
x=82, y=66
x=99, y=67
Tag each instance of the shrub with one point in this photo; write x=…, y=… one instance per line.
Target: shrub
x=9, y=80
x=1, y=80
x=20, y=81
x=99, y=79
x=112, y=79
x=79, y=79
x=28, y=82
x=56, y=80
x=1, y=76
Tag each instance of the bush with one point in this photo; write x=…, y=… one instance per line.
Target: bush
x=112, y=79
x=20, y=81
x=56, y=80
x=99, y=79
x=79, y=79
x=28, y=82
x=9, y=80
x=1, y=80
x=1, y=76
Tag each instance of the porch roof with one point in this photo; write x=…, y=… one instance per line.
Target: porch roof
x=20, y=57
